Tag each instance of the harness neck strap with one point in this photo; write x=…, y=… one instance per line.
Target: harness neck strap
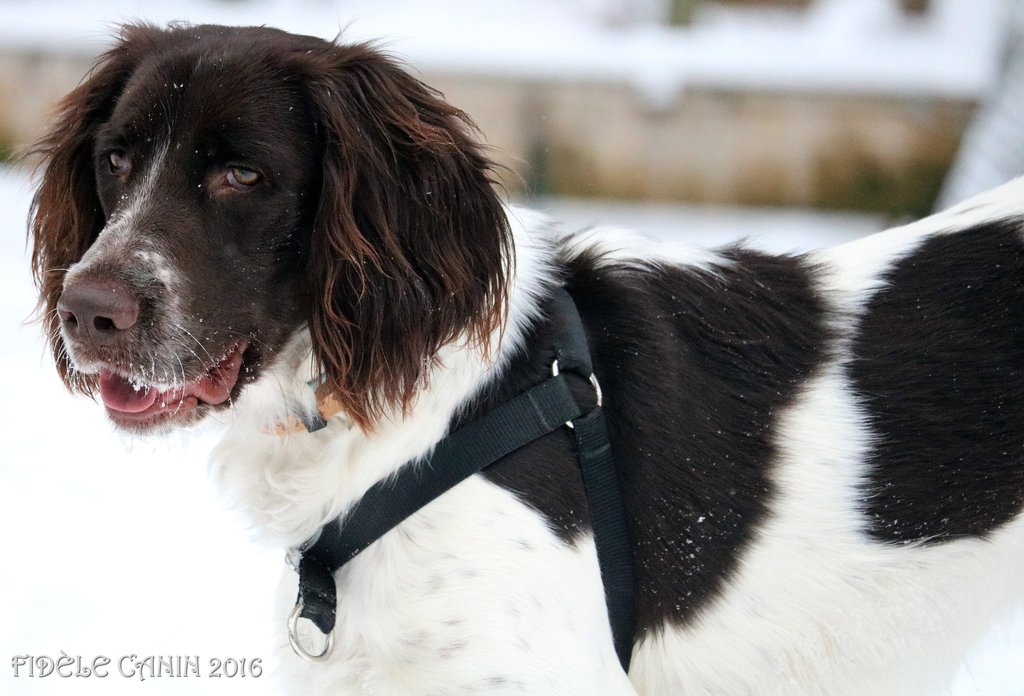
x=529, y=416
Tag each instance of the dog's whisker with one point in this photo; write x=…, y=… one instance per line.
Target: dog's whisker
x=183, y=382
x=251, y=338
x=213, y=361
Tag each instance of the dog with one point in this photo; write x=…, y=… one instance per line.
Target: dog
x=821, y=456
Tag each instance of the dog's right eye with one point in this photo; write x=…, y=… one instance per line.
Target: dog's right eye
x=242, y=178
x=117, y=163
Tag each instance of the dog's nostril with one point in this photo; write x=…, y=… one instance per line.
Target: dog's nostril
x=100, y=310
x=67, y=317
x=104, y=324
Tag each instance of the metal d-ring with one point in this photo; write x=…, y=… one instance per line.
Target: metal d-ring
x=593, y=382
x=293, y=638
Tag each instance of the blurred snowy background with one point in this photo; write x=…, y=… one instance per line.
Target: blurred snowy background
x=794, y=123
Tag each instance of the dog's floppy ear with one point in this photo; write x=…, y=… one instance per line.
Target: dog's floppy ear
x=66, y=217
x=410, y=246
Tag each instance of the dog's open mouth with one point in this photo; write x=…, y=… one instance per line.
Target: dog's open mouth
x=130, y=402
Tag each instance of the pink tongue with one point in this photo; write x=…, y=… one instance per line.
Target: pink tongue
x=119, y=394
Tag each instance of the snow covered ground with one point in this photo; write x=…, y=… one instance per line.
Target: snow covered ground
x=117, y=548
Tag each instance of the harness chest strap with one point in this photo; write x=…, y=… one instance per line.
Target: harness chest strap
x=536, y=412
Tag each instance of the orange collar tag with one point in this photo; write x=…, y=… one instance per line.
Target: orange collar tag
x=327, y=406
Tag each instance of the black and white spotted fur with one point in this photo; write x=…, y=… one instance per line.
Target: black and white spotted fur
x=822, y=455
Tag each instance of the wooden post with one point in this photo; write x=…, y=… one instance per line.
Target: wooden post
x=680, y=12
x=914, y=7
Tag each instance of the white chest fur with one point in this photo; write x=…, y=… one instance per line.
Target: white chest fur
x=473, y=594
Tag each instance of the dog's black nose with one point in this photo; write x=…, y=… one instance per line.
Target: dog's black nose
x=100, y=311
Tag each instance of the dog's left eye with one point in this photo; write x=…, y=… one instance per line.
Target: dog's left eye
x=242, y=178
x=117, y=163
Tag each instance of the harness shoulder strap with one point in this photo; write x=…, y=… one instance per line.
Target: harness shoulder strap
x=601, y=481
x=540, y=410
x=611, y=531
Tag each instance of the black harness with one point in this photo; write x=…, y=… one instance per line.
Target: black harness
x=532, y=414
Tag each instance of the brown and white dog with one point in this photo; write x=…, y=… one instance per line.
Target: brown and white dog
x=822, y=455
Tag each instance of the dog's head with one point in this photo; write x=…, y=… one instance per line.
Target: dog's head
x=207, y=192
